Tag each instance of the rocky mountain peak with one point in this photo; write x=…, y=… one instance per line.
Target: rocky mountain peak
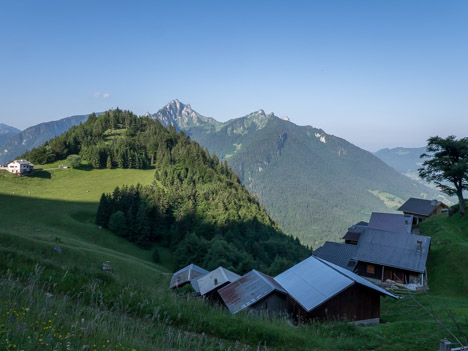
x=180, y=115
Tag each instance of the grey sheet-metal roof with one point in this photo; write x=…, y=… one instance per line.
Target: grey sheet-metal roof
x=314, y=281
x=358, y=279
x=362, y=224
x=420, y=206
x=215, y=279
x=337, y=253
x=248, y=289
x=398, y=250
x=391, y=222
x=186, y=274
x=194, y=283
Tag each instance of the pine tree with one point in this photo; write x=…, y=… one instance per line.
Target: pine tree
x=109, y=162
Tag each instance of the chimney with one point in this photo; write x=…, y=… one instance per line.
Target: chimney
x=419, y=247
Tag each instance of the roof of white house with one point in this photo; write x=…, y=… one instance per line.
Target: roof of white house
x=22, y=162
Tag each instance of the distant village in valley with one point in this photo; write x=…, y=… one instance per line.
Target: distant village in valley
x=340, y=281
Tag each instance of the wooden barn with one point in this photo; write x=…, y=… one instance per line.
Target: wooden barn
x=422, y=209
x=257, y=292
x=400, y=257
x=354, y=232
x=210, y=283
x=187, y=275
x=320, y=290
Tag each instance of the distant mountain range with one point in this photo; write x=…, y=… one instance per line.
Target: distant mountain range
x=404, y=160
x=34, y=136
x=315, y=184
x=6, y=132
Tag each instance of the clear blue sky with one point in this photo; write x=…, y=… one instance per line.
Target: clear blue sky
x=377, y=73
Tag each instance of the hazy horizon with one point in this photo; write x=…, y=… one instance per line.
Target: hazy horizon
x=378, y=74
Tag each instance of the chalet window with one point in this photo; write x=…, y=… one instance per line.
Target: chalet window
x=370, y=269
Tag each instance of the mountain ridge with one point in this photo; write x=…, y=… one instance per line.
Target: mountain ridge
x=36, y=135
x=315, y=184
x=6, y=132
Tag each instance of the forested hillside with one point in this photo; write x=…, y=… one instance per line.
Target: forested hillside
x=315, y=184
x=36, y=136
x=196, y=206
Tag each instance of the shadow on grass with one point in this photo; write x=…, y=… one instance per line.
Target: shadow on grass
x=41, y=174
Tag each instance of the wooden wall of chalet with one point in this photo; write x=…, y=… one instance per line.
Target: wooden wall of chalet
x=356, y=303
x=398, y=275
x=274, y=303
x=214, y=297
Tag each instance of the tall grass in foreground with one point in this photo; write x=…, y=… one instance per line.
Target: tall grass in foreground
x=31, y=319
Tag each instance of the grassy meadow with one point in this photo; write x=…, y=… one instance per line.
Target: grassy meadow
x=64, y=301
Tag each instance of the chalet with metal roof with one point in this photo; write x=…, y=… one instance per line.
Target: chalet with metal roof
x=338, y=253
x=320, y=290
x=210, y=283
x=392, y=222
x=186, y=275
x=422, y=209
x=20, y=167
x=386, y=255
x=254, y=291
x=354, y=232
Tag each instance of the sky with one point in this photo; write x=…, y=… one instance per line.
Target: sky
x=377, y=73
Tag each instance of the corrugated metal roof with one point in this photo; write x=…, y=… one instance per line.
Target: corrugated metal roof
x=337, y=253
x=312, y=282
x=248, y=289
x=391, y=222
x=186, y=274
x=398, y=250
x=420, y=206
x=215, y=279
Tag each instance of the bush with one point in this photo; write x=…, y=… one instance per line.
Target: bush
x=74, y=161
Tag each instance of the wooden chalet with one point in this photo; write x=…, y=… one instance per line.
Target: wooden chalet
x=400, y=257
x=210, y=283
x=354, y=232
x=187, y=275
x=320, y=290
x=422, y=209
x=256, y=292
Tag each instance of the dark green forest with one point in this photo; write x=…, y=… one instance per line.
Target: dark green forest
x=196, y=206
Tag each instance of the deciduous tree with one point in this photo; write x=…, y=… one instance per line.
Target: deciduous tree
x=447, y=162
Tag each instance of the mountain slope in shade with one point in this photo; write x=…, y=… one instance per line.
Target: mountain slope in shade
x=315, y=184
x=36, y=135
x=6, y=132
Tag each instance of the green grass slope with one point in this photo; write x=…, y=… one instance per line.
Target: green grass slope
x=64, y=301
x=448, y=258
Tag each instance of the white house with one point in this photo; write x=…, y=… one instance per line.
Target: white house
x=20, y=167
